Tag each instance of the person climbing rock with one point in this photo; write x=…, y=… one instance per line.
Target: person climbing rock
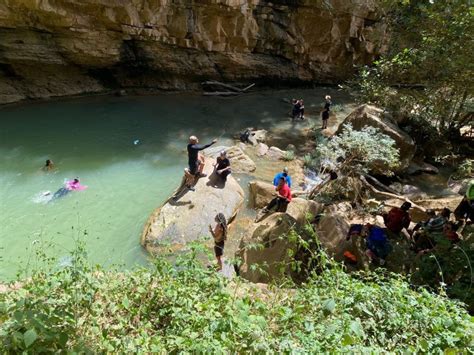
x=398, y=218
x=283, y=198
x=222, y=166
x=219, y=233
x=283, y=174
x=195, y=161
x=325, y=112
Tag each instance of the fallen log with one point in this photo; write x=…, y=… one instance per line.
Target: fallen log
x=222, y=93
x=218, y=83
x=380, y=185
x=391, y=195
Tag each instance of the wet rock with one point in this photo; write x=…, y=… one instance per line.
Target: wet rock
x=421, y=167
x=275, y=153
x=366, y=115
x=413, y=192
x=178, y=222
x=262, y=149
x=258, y=136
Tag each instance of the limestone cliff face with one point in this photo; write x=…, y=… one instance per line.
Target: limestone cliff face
x=65, y=47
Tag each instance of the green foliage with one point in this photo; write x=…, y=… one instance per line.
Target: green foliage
x=448, y=268
x=465, y=170
x=356, y=152
x=186, y=307
x=427, y=76
x=289, y=155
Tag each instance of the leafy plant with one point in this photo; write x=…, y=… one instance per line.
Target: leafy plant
x=427, y=75
x=184, y=306
x=356, y=152
x=289, y=155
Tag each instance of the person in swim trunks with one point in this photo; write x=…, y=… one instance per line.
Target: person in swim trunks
x=195, y=160
x=219, y=233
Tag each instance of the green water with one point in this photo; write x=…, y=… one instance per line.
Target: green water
x=93, y=139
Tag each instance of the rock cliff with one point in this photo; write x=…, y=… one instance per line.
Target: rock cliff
x=66, y=47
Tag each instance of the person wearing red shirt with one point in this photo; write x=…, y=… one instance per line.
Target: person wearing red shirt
x=398, y=218
x=283, y=198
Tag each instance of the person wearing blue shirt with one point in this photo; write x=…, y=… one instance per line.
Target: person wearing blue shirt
x=284, y=174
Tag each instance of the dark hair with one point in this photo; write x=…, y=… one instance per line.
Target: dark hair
x=76, y=179
x=222, y=221
x=48, y=162
x=405, y=206
x=446, y=212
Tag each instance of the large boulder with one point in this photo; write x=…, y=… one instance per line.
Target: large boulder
x=261, y=193
x=264, y=251
x=303, y=210
x=366, y=115
x=186, y=219
x=239, y=161
x=262, y=149
x=332, y=231
x=275, y=153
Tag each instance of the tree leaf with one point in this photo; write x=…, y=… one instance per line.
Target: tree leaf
x=29, y=337
x=329, y=305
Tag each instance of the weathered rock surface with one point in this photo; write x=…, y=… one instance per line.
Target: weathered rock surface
x=332, y=231
x=56, y=48
x=239, y=161
x=266, y=247
x=421, y=167
x=258, y=136
x=262, y=149
x=366, y=115
x=187, y=219
x=261, y=193
x=275, y=153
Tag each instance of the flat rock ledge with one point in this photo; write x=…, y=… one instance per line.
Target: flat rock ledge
x=187, y=218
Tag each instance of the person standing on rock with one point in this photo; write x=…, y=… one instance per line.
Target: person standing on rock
x=219, y=233
x=284, y=174
x=195, y=161
x=325, y=112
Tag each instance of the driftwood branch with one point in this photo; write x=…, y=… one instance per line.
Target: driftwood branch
x=390, y=195
x=222, y=93
x=380, y=185
x=224, y=89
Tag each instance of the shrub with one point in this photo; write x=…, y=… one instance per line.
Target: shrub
x=357, y=152
x=187, y=307
x=289, y=155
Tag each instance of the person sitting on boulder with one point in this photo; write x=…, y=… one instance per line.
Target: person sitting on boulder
x=283, y=174
x=219, y=233
x=398, y=218
x=195, y=161
x=465, y=209
x=283, y=198
x=222, y=165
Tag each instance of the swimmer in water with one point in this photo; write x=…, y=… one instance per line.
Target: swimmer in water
x=71, y=185
x=49, y=165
